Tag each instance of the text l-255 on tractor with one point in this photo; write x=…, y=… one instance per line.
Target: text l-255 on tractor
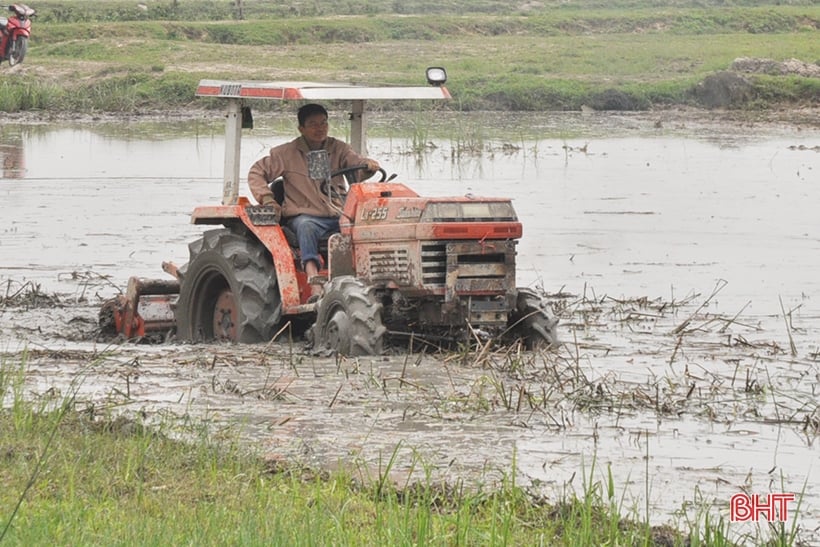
x=402, y=264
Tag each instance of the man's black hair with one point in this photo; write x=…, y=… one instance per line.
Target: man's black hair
x=309, y=110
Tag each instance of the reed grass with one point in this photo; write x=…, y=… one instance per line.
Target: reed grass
x=113, y=476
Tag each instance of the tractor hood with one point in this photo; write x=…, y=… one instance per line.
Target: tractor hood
x=392, y=211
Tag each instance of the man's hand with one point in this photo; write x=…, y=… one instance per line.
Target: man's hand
x=372, y=165
x=267, y=199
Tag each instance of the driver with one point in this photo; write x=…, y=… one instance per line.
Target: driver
x=306, y=209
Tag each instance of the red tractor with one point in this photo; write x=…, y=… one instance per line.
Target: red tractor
x=434, y=269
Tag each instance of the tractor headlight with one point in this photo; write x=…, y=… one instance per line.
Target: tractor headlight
x=472, y=211
x=436, y=76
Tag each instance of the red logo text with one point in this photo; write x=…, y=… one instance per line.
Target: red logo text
x=745, y=507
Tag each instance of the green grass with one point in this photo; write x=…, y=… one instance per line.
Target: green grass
x=112, y=56
x=73, y=475
x=198, y=10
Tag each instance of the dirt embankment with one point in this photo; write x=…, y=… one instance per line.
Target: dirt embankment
x=733, y=87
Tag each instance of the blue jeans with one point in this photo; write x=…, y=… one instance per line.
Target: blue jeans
x=309, y=231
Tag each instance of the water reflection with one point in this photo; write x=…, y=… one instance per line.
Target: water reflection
x=12, y=153
x=13, y=159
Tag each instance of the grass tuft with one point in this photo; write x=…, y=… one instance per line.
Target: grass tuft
x=97, y=476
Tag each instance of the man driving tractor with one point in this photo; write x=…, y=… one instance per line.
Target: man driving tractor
x=439, y=269
x=308, y=208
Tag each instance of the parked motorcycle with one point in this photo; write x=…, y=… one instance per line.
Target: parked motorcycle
x=14, y=34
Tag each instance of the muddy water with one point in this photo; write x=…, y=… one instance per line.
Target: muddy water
x=683, y=254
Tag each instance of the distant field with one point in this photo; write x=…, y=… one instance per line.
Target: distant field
x=623, y=54
x=188, y=10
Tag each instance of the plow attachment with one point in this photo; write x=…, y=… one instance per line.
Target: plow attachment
x=146, y=308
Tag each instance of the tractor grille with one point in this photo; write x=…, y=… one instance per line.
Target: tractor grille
x=433, y=263
x=478, y=265
x=390, y=265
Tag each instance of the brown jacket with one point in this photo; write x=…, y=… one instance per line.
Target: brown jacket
x=302, y=194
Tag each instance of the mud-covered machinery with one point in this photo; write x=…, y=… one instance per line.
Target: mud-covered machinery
x=403, y=265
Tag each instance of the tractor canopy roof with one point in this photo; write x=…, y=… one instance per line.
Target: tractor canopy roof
x=313, y=91
x=285, y=90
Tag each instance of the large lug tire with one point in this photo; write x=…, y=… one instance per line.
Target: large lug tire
x=533, y=321
x=228, y=290
x=17, y=50
x=348, y=320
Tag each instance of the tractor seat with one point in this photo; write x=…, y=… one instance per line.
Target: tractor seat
x=277, y=187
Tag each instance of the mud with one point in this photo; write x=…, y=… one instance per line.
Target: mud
x=680, y=256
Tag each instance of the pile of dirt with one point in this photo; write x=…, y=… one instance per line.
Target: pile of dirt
x=789, y=67
x=730, y=88
x=723, y=89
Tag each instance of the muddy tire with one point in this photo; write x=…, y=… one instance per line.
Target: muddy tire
x=533, y=322
x=106, y=320
x=228, y=290
x=348, y=320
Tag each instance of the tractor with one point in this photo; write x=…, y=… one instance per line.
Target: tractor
x=431, y=269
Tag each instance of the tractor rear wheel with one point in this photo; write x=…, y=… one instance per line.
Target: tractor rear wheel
x=533, y=322
x=348, y=319
x=228, y=290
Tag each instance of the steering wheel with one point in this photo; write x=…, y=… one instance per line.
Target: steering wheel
x=353, y=168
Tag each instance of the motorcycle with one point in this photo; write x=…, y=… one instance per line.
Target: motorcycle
x=14, y=34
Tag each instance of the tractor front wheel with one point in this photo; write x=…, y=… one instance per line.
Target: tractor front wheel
x=348, y=319
x=228, y=290
x=533, y=322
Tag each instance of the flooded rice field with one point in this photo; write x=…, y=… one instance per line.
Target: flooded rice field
x=682, y=256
